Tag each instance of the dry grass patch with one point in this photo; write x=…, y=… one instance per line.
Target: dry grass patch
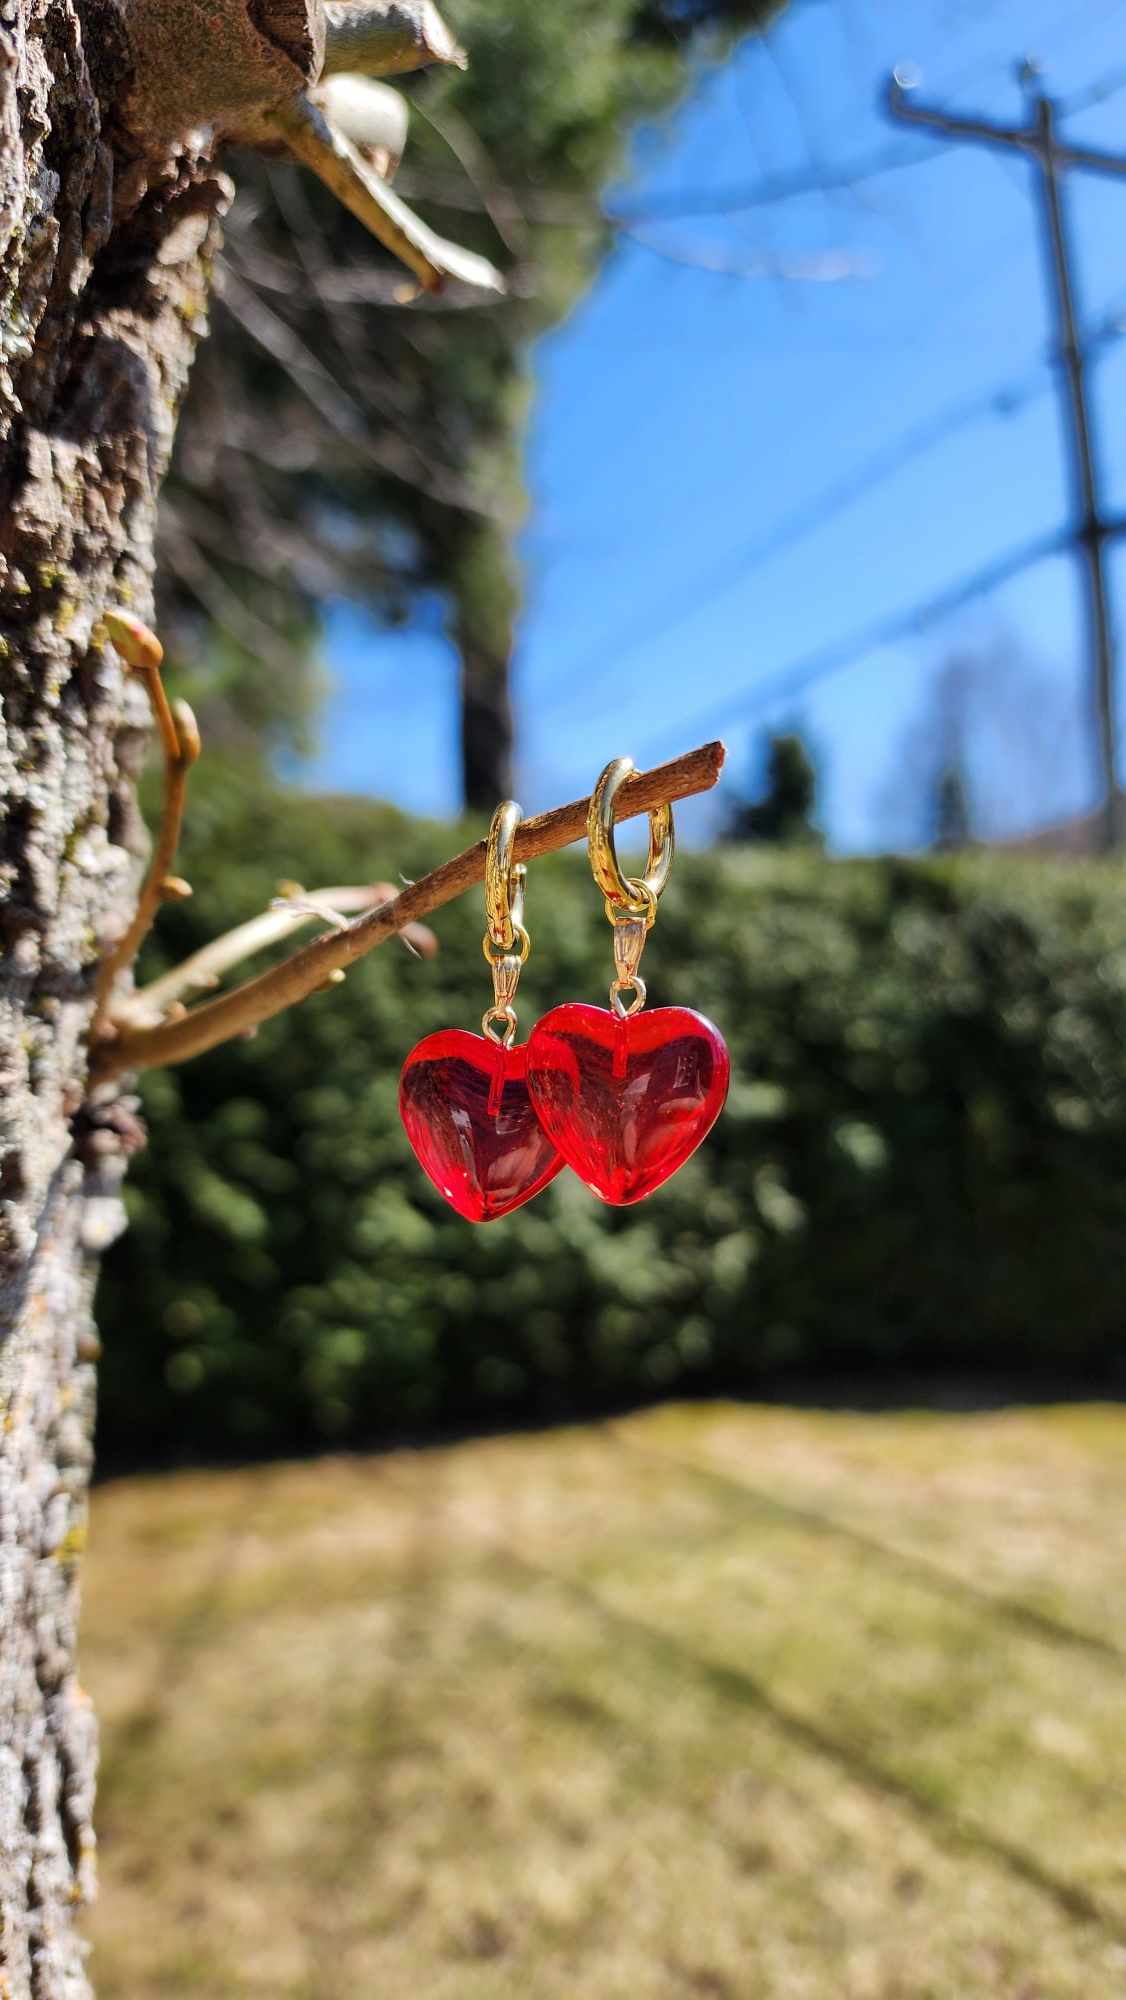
x=712, y=1702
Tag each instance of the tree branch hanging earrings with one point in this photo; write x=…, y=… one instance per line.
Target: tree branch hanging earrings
x=464, y=1098
x=626, y=1096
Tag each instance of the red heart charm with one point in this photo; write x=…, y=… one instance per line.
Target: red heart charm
x=464, y=1101
x=626, y=1100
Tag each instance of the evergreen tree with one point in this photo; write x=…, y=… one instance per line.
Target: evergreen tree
x=951, y=812
x=784, y=814
x=347, y=438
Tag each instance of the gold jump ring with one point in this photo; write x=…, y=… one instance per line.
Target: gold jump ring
x=490, y=1020
x=635, y=895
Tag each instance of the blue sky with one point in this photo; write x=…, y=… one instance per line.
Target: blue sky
x=723, y=374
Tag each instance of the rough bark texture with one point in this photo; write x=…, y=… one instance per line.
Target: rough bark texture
x=104, y=259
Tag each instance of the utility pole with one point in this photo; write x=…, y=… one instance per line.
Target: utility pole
x=1052, y=157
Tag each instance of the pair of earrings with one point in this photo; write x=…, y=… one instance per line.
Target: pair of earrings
x=621, y=1097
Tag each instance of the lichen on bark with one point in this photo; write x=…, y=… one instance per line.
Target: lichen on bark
x=105, y=253
x=109, y=221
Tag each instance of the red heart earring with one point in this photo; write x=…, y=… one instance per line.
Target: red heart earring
x=626, y=1097
x=464, y=1098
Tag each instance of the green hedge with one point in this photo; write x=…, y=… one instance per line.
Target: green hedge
x=922, y=1163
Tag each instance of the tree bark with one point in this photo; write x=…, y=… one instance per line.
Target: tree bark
x=104, y=268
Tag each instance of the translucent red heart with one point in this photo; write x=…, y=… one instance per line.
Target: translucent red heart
x=626, y=1101
x=464, y=1101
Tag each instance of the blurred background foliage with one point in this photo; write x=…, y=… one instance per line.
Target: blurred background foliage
x=922, y=1163
x=830, y=1700
x=345, y=438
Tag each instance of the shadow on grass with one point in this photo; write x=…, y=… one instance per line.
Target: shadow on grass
x=879, y=1392
x=740, y=1689
x=1026, y=1618
x=386, y=1724
x=128, y=1745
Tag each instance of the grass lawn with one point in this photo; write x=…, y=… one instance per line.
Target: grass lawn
x=714, y=1701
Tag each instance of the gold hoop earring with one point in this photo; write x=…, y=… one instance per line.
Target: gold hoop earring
x=463, y=1098
x=625, y=1096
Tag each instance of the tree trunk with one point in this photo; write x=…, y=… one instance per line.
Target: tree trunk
x=486, y=723
x=104, y=264
x=477, y=558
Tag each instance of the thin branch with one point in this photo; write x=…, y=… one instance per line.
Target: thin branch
x=386, y=37
x=567, y=208
x=355, y=286
x=462, y=196
x=349, y=354
x=317, y=144
x=497, y=201
x=272, y=992
x=204, y=969
x=350, y=332
x=317, y=570
x=394, y=453
x=218, y=598
x=822, y=267
x=142, y=651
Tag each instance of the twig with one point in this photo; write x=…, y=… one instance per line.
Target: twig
x=386, y=37
x=393, y=453
x=142, y=651
x=204, y=969
x=317, y=144
x=497, y=201
x=238, y=1012
x=822, y=267
x=205, y=582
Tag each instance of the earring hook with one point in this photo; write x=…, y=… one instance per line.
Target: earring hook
x=504, y=882
x=506, y=943
x=627, y=895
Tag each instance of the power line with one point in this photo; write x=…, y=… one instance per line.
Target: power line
x=824, y=178
x=1039, y=140
x=820, y=176
x=1004, y=399
x=1092, y=527
x=826, y=661
x=1052, y=155
x=565, y=208
x=1099, y=92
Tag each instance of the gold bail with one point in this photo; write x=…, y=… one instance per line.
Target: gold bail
x=630, y=934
